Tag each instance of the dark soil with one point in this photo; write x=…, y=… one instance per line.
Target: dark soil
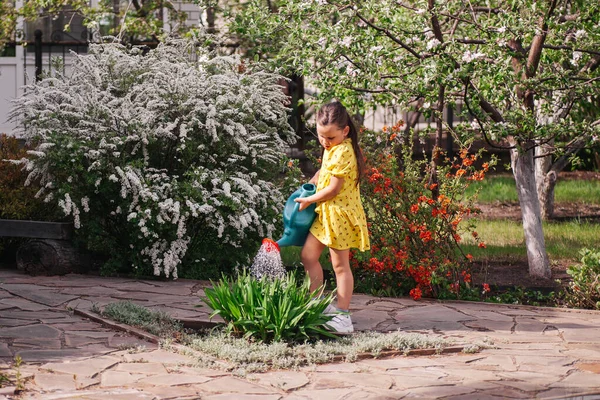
x=514, y=271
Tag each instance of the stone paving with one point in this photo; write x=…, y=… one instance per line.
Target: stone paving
x=537, y=353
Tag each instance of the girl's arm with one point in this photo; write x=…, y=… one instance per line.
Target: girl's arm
x=315, y=178
x=335, y=185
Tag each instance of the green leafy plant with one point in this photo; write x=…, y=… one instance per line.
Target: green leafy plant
x=520, y=295
x=269, y=310
x=19, y=381
x=584, y=290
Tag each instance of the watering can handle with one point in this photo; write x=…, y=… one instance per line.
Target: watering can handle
x=293, y=217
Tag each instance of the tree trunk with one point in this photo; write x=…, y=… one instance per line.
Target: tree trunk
x=545, y=179
x=48, y=257
x=522, y=163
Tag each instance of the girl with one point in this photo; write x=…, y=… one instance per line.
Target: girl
x=340, y=223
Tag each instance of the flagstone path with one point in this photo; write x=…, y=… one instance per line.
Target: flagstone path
x=536, y=353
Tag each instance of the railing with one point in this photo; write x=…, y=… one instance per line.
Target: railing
x=57, y=47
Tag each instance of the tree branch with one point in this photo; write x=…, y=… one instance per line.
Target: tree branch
x=435, y=23
x=389, y=35
x=571, y=17
x=483, y=132
x=572, y=147
x=362, y=90
x=471, y=41
x=563, y=47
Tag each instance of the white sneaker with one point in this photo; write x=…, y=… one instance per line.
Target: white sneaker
x=340, y=323
x=330, y=310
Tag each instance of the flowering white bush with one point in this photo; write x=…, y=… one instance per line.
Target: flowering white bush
x=154, y=154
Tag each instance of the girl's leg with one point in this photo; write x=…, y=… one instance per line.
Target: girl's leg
x=343, y=276
x=311, y=251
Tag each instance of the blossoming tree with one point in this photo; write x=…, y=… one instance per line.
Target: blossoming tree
x=159, y=156
x=526, y=72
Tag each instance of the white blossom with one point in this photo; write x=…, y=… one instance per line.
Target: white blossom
x=468, y=56
x=123, y=145
x=433, y=43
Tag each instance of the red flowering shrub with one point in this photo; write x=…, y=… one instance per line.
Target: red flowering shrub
x=415, y=222
x=18, y=201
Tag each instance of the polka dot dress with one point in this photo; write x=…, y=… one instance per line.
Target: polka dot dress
x=341, y=222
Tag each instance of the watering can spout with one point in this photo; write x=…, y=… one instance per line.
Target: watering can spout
x=297, y=223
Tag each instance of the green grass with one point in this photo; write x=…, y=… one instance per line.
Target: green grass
x=505, y=238
x=502, y=188
x=290, y=256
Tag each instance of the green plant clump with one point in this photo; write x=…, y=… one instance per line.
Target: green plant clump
x=269, y=310
x=584, y=289
x=158, y=323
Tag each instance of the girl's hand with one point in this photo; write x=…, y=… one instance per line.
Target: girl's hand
x=304, y=202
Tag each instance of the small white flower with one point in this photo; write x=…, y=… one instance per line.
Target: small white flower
x=420, y=11
x=85, y=203
x=433, y=43
x=347, y=41
x=468, y=56
x=502, y=29
x=580, y=34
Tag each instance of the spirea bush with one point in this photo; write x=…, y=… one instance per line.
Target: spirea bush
x=416, y=224
x=162, y=158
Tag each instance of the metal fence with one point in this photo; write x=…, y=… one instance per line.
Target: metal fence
x=60, y=45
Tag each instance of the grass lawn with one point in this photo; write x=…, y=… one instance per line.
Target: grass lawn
x=502, y=188
x=504, y=238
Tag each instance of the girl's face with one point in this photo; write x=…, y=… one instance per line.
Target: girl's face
x=331, y=135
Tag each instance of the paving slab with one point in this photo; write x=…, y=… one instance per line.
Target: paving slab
x=34, y=293
x=83, y=368
x=31, y=331
x=229, y=384
x=283, y=380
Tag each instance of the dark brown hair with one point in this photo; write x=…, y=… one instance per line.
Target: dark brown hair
x=335, y=113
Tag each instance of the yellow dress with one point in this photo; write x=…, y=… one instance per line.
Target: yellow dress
x=340, y=223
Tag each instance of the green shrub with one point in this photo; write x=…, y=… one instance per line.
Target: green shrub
x=584, y=289
x=269, y=310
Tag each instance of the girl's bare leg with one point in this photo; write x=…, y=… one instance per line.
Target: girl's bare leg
x=311, y=251
x=343, y=276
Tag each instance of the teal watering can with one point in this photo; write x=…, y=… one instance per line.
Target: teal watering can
x=297, y=223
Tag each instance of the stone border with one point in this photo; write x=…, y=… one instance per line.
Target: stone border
x=118, y=326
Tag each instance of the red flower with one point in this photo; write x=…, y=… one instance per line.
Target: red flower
x=416, y=293
x=486, y=288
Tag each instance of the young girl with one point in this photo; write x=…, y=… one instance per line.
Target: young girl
x=340, y=223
